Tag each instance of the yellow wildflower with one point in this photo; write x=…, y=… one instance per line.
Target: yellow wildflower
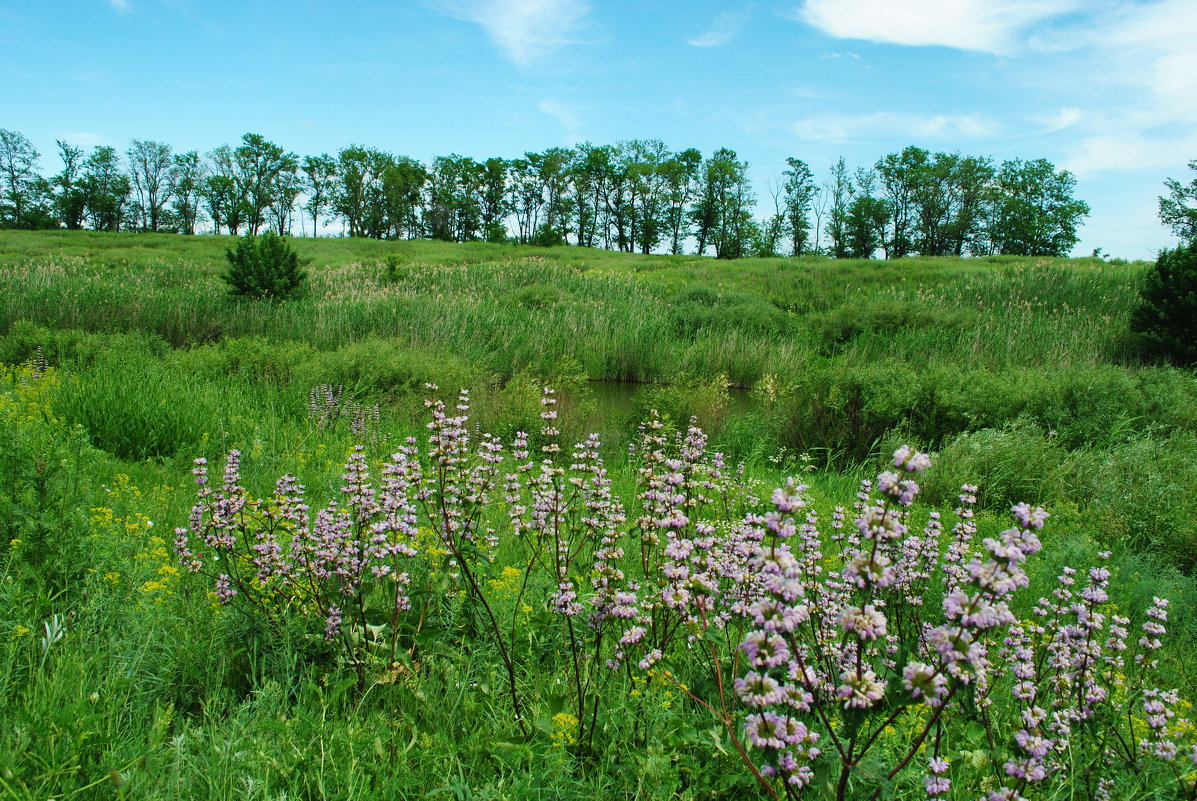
x=565, y=729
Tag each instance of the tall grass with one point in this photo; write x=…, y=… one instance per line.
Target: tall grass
x=152, y=694
x=620, y=316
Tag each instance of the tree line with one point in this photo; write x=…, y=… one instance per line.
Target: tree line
x=634, y=196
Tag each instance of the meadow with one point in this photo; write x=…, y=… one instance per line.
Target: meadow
x=133, y=665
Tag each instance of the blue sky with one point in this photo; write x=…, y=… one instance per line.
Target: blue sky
x=1106, y=89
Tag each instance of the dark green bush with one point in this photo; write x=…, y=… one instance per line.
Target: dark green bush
x=393, y=269
x=1142, y=494
x=702, y=308
x=72, y=346
x=1167, y=316
x=44, y=496
x=136, y=407
x=387, y=370
x=844, y=323
x=264, y=267
x=847, y=407
x=253, y=358
x=1009, y=465
x=25, y=338
x=537, y=296
x=705, y=399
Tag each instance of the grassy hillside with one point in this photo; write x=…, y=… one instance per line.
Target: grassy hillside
x=620, y=316
x=122, y=673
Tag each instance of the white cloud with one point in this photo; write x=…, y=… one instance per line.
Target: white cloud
x=525, y=31
x=563, y=114
x=1141, y=57
x=1063, y=118
x=885, y=125
x=1127, y=68
x=82, y=139
x=725, y=28
x=1131, y=150
x=120, y=5
x=1151, y=46
x=987, y=25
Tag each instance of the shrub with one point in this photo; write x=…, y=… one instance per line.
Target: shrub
x=1167, y=317
x=129, y=404
x=537, y=296
x=393, y=268
x=1142, y=496
x=264, y=267
x=42, y=523
x=847, y=406
x=885, y=317
x=701, y=308
x=704, y=400
x=864, y=654
x=1014, y=463
x=385, y=369
x=252, y=358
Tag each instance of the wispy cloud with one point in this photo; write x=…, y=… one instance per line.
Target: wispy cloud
x=565, y=116
x=1142, y=54
x=724, y=29
x=82, y=139
x=884, y=125
x=1130, y=150
x=1063, y=118
x=1139, y=52
x=1151, y=46
x=121, y=6
x=524, y=31
x=987, y=25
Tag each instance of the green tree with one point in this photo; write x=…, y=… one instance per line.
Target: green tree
x=769, y=231
x=359, y=198
x=949, y=193
x=839, y=192
x=403, y=183
x=1035, y=211
x=647, y=187
x=106, y=189
x=971, y=190
x=186, y=189
x=1178, y=210
x=320, y=184
x=591, y=177
x=264, y=267
x=867, y=218
x=287, y=186
x=18, y=174
x=149, y=168
x=261, y=170
x=221, y=191
x=723, y=212
x=680, y=173
x=493, y=203
x=799, y=187
x=526, y=198
x=453, y=212
x=70, y=200
x=1167, y=316
x=540, y=197
x=897, y=173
